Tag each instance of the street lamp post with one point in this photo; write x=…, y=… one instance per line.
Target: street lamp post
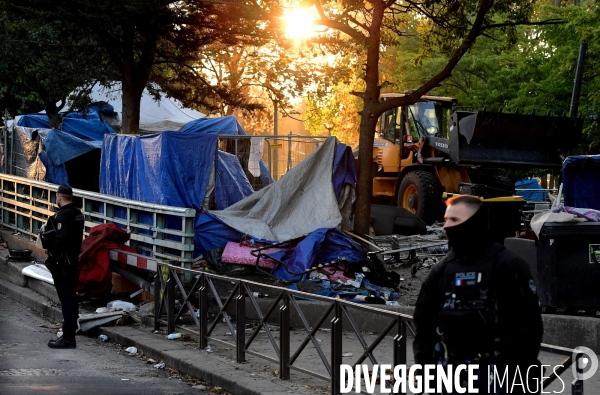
x=328, y=126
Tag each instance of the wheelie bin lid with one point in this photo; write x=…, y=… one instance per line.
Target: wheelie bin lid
x=581, y=181
x=514, y=198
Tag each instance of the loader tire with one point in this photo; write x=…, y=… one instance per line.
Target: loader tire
x=419, y=193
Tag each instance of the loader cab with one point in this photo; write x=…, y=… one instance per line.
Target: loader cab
x=428, y=117
x=407, y=125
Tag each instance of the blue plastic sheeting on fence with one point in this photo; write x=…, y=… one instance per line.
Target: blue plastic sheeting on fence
x=531, y=196
x=225, y=126
x=221, y=125
x=55, y=174
x=581, y=181
x=169, y=168
x=61, y=146
x=90, y=127
x=211, y=233
x=322, y=245
x=231, y=184
x=344, y=169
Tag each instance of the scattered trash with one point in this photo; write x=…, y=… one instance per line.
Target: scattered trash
x=150, y=361
x=228, y=318
x=124, y=379
x=199, y=387
x=208, y=349
x=59, y=333
x=347, y=354
x=131, y=350
x=326, y=329
x=174, y=336
x=101, y=310
x=120, y=305
x=89, y=321
x=392, y=303
x=103, y=338
x=160, y=365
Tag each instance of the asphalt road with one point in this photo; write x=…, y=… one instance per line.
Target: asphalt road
x=28, y=366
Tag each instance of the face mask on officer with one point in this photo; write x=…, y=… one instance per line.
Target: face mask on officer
x=472, y=234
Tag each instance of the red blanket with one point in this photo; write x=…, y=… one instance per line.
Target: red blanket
x=93, y=271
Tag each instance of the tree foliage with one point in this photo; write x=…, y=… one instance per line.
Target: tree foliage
x=41, y=64
x=442, y=28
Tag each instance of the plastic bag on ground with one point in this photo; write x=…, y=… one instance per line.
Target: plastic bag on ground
x=120, y=305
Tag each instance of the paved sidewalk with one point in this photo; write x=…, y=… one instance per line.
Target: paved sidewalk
x=256, y=376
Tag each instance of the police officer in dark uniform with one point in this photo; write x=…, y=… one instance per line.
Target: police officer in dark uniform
x=61, y=237
x=479, y=304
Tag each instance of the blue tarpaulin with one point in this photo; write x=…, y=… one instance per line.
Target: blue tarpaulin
x=322, y=245
x=231, y=185
x=531, y=196
x=90, y=127
x=581, y=181
x=303, y=202
x=222, y=125
x=168, y=168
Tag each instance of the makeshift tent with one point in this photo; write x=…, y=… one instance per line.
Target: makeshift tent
x=53, y=156
x=155, y=116
x=531, y=196
x=170, y=168
x=89, y=127
x=307, y=199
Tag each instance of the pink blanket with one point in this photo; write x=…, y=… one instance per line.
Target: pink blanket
x=234, y=253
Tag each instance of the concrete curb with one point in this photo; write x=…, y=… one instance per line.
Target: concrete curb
x=564, y=331
x=195, y=363
x=200, y=364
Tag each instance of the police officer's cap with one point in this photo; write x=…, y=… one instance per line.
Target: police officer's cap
x=65, y=190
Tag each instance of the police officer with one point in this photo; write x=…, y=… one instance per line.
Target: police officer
x=479, y=304
x=62, y=236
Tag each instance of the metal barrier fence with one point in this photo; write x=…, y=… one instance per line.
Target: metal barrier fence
x=167, y=284
x=160, y=231
x=280, y=152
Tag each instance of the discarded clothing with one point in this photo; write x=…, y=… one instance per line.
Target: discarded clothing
x=94, y=273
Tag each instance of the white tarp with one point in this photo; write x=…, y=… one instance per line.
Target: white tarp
x=166, y=114
x=299, y=203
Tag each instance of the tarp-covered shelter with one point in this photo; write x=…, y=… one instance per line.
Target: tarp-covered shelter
x=171, y=168
x=314, y=196
x=86, y=127
x=52, y=155
x=531, y=195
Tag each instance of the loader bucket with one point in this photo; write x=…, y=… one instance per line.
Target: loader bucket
x=512, y=140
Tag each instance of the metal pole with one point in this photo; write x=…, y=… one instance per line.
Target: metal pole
x=240, y=335
x=275, y=151
x=170, y=302
x=203, y=319
x=336, y=349
x=578, y=78
x=157, y=299
x=284, y=339
x=289, y=164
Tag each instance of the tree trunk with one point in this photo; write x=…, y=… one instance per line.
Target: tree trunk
x=52, y=113
x=368, y=122
x=131, y=97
